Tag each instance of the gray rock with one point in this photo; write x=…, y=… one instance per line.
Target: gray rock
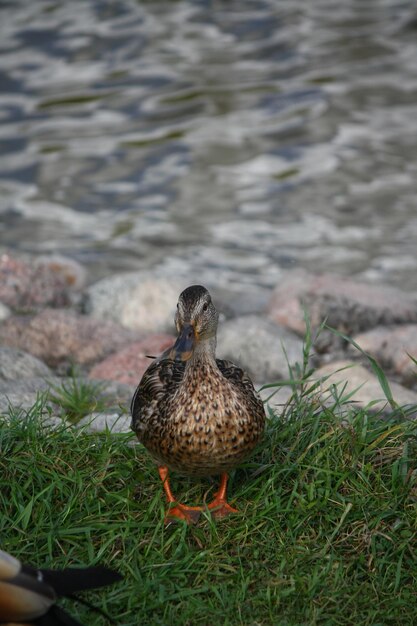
x=350, y=376
x=115, y=394
x=239, y=300
x=276, y=398
x=347, y=305
x=140, y=300
x=52, y=421
x=115, y=422
x=17, y=364
x=4, y=312
x=24, y=393
x=392, y=346
x=256, y=344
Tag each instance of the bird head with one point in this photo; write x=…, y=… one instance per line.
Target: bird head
x=196, y=321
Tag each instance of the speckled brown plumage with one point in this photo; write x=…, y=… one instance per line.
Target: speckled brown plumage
x=198, y=420
x=194, y=413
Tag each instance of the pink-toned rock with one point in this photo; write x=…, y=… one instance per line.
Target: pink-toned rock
x=347, y=305
x=73, y=273
x=391, y=346
x=60, y=336
x=29, y=286
x=128, y=365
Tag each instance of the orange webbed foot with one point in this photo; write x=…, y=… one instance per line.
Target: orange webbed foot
x=188, y=514
x=221, y=508
x=177, y=512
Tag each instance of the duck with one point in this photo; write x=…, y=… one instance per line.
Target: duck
x=29, y=595
x=196, y=414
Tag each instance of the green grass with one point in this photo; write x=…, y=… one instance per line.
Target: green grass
x=327, y=532
x=77, y=398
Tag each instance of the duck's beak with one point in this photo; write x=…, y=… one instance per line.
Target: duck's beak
x=183, y=347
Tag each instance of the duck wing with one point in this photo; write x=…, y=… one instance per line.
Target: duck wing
x=238, y=377
x=162, y=378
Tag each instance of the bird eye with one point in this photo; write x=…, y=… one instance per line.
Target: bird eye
x=205, y=306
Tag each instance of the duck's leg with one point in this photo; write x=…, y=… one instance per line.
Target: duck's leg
x=188, y=514
x=220, y=507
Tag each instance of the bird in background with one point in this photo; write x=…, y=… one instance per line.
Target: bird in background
x=29, y=595
x=196, y=414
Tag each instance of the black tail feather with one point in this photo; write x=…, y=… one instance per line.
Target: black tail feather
x=27, y=592
x=73, y=579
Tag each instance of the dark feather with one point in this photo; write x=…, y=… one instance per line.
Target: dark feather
x=29, y=595
x=238, y=376
x=73, y=579
x=162, y=377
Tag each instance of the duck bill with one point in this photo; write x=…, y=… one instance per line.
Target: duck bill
x=183, y=347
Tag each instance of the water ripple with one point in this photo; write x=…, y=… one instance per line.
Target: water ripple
x=219, y=139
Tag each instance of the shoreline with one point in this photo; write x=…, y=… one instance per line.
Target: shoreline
x=52, y=322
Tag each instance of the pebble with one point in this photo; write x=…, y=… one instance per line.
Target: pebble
x=257, y=345
x=61, y=336
x=128, y=365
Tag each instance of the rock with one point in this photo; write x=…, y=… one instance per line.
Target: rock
x=239, y=300
x=24, y=393
x=16, y=364
x=137, y=300
x=128, y=365
x=98, y=422
x=286, y=304
x=58, y=336
x=348, y=305
x=256, y=344
x=391, y=346
x=116, y=394
x=278, y=400
x=5, y=312
x=30, y=286
x=73, y=273
x=350, y=376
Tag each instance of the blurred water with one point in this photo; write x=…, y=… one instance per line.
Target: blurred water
x=231, y=138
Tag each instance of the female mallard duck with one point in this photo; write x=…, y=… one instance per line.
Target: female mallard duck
x=196, y=414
